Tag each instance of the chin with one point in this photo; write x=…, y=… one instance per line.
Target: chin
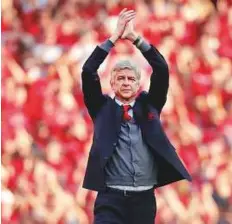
x=126, y=96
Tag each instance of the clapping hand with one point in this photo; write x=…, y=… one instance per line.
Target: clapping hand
x=129, y=32
x=124, y=28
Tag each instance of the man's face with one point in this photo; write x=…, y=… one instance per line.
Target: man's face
x=125, y=84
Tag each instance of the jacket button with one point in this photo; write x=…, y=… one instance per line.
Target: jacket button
x=114, y=144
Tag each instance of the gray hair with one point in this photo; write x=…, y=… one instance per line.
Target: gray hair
x=126, y=64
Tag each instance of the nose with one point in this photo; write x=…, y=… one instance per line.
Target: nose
x=126, y=82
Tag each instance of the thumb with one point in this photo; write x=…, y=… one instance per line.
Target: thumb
x=125, y=32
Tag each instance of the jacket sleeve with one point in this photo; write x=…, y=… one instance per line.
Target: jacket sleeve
x=159, y=81
x=91, y=86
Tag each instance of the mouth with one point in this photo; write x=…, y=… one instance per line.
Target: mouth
x=126, y=90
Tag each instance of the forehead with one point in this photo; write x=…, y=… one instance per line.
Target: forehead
x=124, y=72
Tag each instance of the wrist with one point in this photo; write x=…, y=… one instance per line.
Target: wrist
x=133, y=37
x=114, y=38
x=138, y=41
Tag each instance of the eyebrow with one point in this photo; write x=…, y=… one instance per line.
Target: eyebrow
x=120, y=76
x=123, y=76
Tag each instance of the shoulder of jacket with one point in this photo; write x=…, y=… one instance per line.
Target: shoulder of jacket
x=142, y=97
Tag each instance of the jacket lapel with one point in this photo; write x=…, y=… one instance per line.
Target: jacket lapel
x=138, y=112
x=116, y=114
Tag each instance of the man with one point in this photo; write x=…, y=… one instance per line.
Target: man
x=130, y=154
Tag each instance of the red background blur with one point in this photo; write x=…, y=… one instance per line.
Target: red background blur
x=46, y=130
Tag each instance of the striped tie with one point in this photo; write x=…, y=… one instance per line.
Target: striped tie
x=126, y=115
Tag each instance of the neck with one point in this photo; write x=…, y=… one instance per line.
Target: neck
x=125, y=101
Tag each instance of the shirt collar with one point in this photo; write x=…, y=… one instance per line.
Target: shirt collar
x=121, y=103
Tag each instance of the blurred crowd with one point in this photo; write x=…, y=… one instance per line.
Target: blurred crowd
x=46, y=130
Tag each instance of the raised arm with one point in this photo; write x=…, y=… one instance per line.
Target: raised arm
x=91, y=86
x=159, y=80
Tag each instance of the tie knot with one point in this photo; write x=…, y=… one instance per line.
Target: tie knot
x=126, y=115
x=126, y=108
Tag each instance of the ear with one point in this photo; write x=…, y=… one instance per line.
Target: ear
x=112, y=83
x=138, y=84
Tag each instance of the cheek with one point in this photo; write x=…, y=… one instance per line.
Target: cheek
x=115, y=86
x=136, y=86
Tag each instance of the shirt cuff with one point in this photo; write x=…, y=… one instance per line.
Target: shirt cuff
x=107, y=45
x=144, y=46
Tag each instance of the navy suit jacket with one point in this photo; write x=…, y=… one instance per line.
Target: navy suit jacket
x=107, y=114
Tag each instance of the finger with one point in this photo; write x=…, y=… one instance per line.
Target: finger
x=127, y=13
x=124, y=10
x=129, y=18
